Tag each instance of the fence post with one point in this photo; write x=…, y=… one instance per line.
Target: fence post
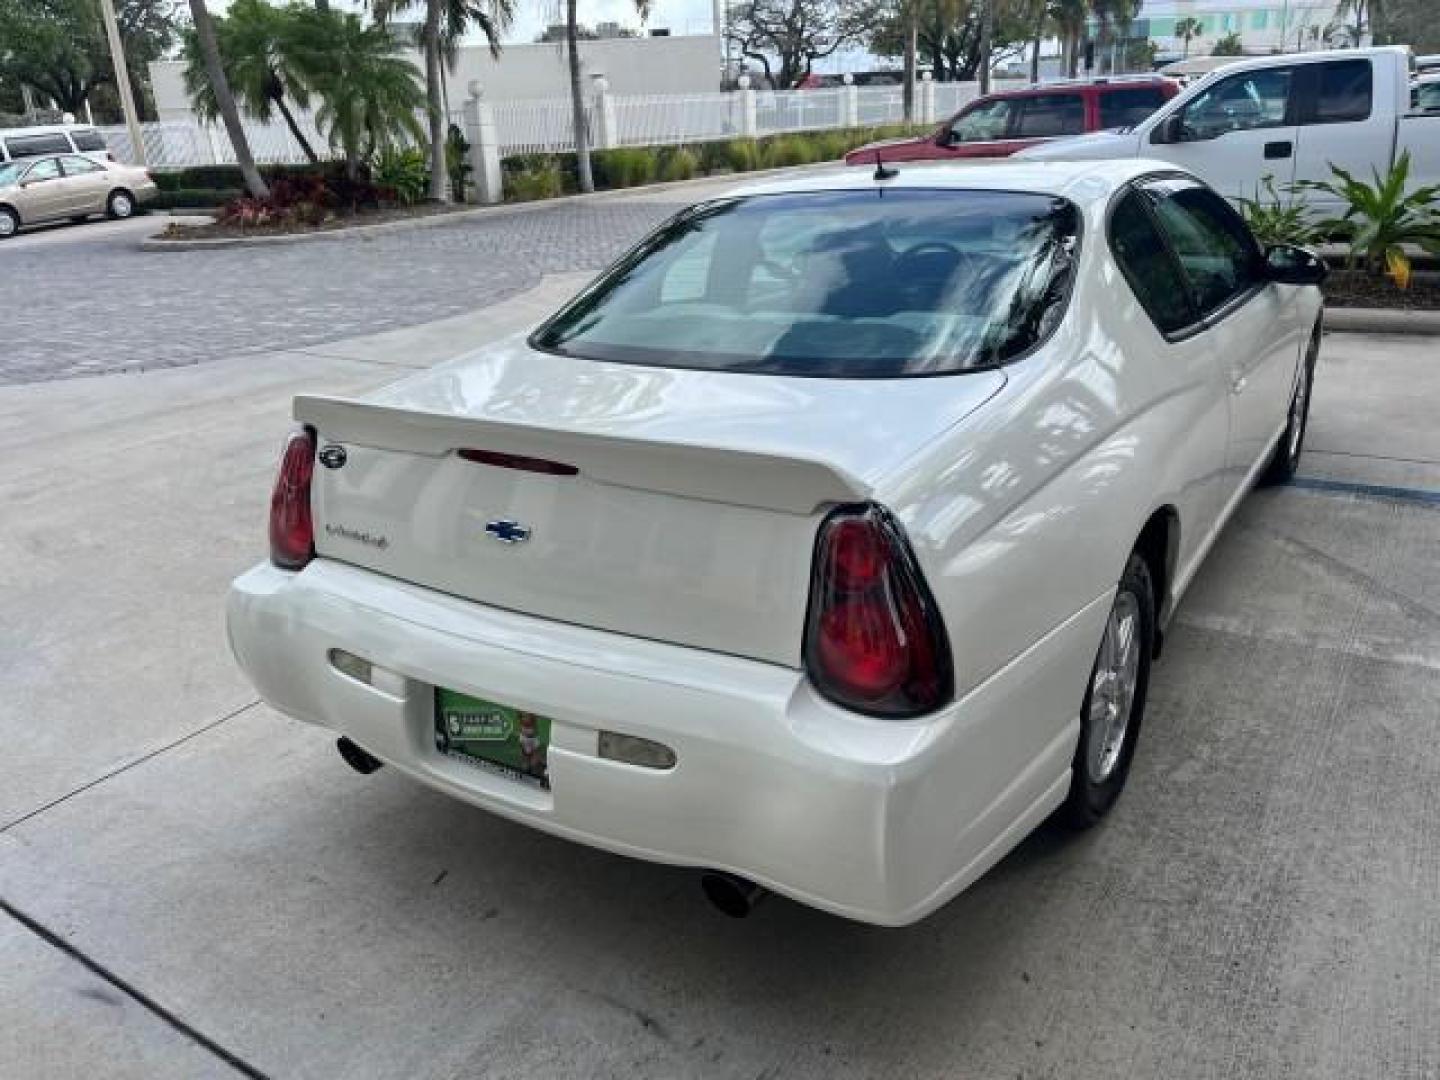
x=850, y=103
x=606, y=136
x=484, y=143
x=927, y=98
x=748, y=126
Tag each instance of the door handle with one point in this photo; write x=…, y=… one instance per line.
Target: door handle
x=1277, y=150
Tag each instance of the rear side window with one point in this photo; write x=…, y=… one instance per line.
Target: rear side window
x=1048, y=115
x=88, y=141
x=1345, y=93
x=834, y=284
x=1148, y=266
x=1126, y=108
x=36, y=145
x=1216, y=251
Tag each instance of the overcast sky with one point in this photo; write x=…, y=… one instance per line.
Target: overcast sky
x=532, y=16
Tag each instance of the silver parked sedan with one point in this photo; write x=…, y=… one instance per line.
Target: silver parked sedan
x=68, y=186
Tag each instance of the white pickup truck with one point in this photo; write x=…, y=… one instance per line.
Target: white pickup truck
x=1289, y=117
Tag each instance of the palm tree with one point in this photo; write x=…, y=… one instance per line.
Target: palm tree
x=987, y=42
x=225, y=100
x=371, y=94
x=577, y=93
x=257, y=47
x=1187, y=29
x=446, y=22
x=1069, y=16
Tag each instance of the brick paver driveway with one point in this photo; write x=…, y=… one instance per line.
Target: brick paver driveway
x=90, y=302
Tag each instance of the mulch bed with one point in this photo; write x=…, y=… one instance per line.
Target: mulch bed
x=1352, y=289
x=215, y=231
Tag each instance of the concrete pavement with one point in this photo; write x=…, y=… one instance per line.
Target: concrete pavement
x=1260, y=904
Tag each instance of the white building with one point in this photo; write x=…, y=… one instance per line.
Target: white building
x=640, y=65
x=1264, y=26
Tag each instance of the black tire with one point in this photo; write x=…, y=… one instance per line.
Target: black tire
x=1286, y=458
x=1091, y=796
x=120, y=205
x=10, y=225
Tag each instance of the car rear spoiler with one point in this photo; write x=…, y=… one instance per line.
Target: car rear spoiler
x=717, y=474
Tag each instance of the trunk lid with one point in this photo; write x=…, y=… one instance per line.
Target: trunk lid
x=690, y=516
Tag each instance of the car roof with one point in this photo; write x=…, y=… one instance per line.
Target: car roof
x=45, y=129
x=1082, y=182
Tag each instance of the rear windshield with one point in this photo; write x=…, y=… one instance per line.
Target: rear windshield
x=36, y=145
x=88, y=141
x=841, y=284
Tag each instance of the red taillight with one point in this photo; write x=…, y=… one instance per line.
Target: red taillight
x=874, y=639
x=292, y=533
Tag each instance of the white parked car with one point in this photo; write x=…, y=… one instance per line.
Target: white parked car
x=824, y=541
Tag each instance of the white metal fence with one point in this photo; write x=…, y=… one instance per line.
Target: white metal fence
x=544, y=126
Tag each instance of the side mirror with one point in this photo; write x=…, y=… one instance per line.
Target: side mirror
x=1169, y=130
x=1286, y=264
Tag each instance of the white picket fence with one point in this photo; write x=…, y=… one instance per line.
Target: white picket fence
x=544, y=126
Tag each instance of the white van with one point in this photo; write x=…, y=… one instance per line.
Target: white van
x=30, y=142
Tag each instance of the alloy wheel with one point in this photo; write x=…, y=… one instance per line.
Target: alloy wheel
x=1112, y=695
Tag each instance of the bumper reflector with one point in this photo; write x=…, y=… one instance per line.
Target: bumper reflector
x=636, y=751
x=350, y=664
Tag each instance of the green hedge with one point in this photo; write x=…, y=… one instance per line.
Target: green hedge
x=195, y=198
x=227, y=177
x=544, y=176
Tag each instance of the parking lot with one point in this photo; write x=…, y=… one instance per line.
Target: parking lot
x=194, y=886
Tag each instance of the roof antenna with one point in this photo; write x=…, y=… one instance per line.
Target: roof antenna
x=883, y=171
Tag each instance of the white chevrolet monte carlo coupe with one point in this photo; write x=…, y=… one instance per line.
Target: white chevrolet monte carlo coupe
x=823, y=542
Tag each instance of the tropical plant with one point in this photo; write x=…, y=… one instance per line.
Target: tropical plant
x=537, y=177
x=265, y=64
x=446, y=23
x=1229, y=45
x=1275, y=220
x=371, y=94
x=624, y=167
x=457, y=160
x=680, y=163
x=402, y=172
x=209, y=49
x=1187, y=30
x=1381, y=218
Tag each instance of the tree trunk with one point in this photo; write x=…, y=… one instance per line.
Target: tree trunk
x=577, y=100
x=439, y=180
x=987, y=42
x=225, y=101
x=912, y=31
x=305, y=146
x=1035, y=41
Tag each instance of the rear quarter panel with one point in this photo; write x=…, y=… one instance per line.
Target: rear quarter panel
x=1024, y=515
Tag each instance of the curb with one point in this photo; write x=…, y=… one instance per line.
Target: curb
x=431, y=221
x=1382, y=321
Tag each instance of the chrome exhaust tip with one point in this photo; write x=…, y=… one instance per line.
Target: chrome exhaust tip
x=356, y=758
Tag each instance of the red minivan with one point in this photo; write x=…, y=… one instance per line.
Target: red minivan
x=999, y=125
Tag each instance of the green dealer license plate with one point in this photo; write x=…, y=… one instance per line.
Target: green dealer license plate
x=493, y=737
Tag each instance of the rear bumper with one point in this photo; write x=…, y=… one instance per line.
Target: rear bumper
x=875, y=820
